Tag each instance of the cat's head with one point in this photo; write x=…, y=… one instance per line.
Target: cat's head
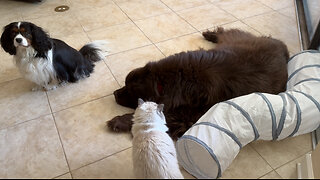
x=149, y=112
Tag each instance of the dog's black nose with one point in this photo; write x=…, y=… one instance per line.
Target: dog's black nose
x=19, y=40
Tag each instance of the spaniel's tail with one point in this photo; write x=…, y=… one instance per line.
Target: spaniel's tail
x=95, y=51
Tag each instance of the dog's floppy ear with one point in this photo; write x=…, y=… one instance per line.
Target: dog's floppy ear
x=7, y=40
x=41, y=41
x=140, y=101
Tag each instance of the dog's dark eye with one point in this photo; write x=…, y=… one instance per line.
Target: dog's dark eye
x=26, y=34
x=22, y=30
x=15, y=30
x=13, y=33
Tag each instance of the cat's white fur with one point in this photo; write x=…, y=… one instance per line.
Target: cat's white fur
x=153, y=151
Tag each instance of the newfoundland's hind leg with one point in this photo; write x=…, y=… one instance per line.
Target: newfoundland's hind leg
x=213, y=35
x=230, y=36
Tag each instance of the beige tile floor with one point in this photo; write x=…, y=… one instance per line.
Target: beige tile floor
x=62, y=133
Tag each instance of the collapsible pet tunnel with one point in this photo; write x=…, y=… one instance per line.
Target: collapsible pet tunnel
x=209, y=146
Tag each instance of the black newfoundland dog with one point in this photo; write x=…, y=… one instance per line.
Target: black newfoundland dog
x=189, y=83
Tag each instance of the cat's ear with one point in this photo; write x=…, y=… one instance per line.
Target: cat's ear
x=160, y=107
x=140, y=101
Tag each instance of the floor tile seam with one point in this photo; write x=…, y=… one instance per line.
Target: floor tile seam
x=59, y=135
x=273, y=8
x=114, y=77
x=140, y=29
x=156, y=44
x=128, y=50
x=101, y=159
x=265, y=5
x=180, y=15
x=78, y=21
x=62, y=175
x=241, y=19
x=223, y=24
x=8, y=81
x=153, y=43
x=83, y=30
x=268, y=173
x=175, y=36
x=270, y=12
x=261, y=14
x=88, y=101
x=265, y=174
x=224, y=11
x=251, y=27
x=281, y=166
x=26, y=121
x=145, y=17
x=212, y=3
x=261, y=156
x=188, y=8
x=30, y=19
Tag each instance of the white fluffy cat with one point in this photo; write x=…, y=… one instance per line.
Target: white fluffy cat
x=153, y=151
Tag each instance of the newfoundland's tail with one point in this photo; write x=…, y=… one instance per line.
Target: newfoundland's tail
x=95, y=51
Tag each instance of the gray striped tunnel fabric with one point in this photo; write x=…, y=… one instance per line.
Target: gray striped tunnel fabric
x=208, y=148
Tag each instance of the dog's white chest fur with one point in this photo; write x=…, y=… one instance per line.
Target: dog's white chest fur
x=35, y=69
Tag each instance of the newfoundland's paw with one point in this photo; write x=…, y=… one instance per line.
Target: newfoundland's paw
x=121, y=123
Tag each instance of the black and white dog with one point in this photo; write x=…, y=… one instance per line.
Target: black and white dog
x=46, y=61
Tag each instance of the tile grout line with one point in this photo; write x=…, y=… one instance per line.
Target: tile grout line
x=289, y=163
x=197, y=31
x=91, y=100
x=140, y=28
x=62, y=175
x=3, y=82
x=209, y=3
x=182, y=17
x=274, y=169
x=112, y=154
x=273, y=8
x=55, y=123
x=114, y=77
x=33, y=119
x=251, y=27
x=267, y=174
x=295, y=158
x=262, y=158
x=241, y=20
